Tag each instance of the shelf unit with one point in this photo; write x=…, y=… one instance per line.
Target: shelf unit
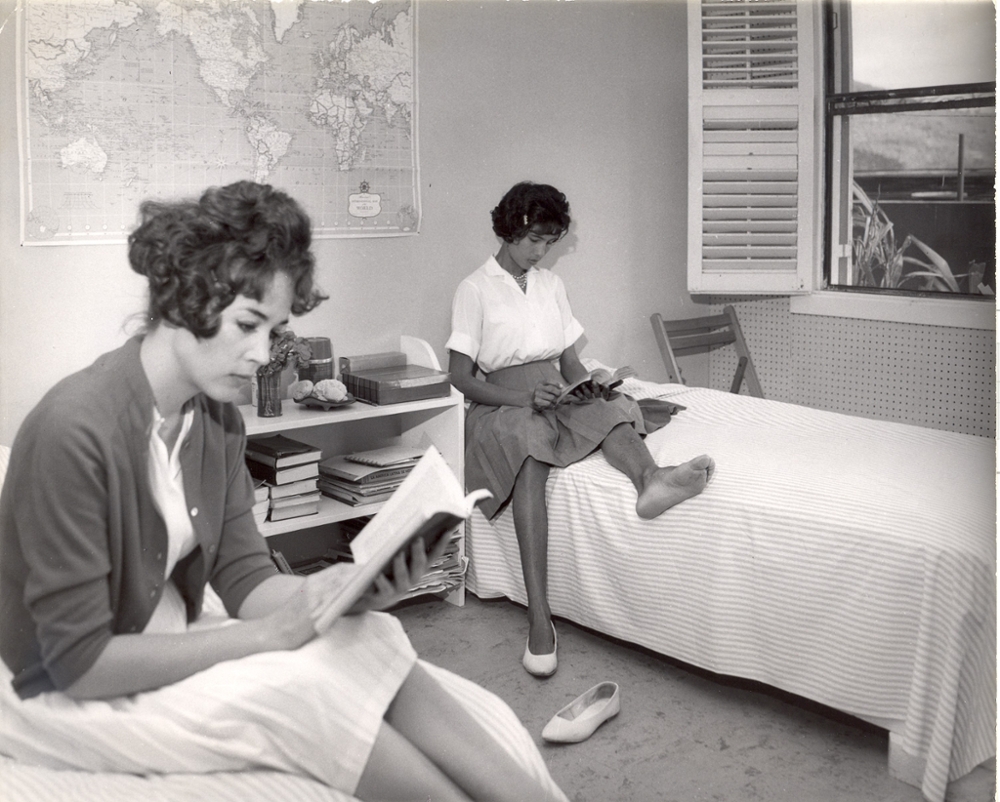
x=359, y=427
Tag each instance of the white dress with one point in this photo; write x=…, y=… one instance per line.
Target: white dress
x=314, y=711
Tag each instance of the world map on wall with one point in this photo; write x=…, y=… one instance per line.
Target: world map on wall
x=124, y=100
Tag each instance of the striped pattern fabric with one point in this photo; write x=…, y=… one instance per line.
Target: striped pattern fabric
x=20, y=783
x=23, y=783
x=849, y=561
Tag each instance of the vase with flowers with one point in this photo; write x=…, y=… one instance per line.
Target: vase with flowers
x=287, y=351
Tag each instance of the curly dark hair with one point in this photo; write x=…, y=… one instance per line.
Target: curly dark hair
x=199, y=255
x=528, y=206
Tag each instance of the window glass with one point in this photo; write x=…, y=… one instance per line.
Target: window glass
x=913, y=169
x=906, y=43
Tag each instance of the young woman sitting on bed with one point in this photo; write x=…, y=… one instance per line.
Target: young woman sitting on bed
x=127, y=491
x=511, y=324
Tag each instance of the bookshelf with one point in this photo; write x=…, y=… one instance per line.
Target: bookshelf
x=360, y=427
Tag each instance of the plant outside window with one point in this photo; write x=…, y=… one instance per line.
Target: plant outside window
x=911, y=166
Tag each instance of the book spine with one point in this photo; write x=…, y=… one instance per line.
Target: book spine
x=294, y=512
x=260, y=471
x=386, y=359
x=284, y=475
x=414, y=381
x=358, y=387
x=291, y=489
x=263, y=459
x=397, y=395
x=282, y=460
x=393, y=392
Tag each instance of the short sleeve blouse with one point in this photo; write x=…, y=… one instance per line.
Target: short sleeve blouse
x=498, y=325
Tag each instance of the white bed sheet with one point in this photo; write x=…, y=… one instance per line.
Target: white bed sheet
x=849, y=561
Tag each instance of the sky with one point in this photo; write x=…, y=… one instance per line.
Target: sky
x=901, y=43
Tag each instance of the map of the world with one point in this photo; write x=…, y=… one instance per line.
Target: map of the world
x=123, y=100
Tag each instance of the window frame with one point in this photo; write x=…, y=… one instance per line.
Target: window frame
x=903, y=306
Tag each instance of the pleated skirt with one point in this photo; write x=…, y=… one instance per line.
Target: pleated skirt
x=499, y=439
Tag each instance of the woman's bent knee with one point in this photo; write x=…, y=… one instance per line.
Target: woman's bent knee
x=399, y=772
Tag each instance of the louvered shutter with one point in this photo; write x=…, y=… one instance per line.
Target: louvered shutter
x=752, y=160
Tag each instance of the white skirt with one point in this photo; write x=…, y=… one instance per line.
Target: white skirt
x=313, y=712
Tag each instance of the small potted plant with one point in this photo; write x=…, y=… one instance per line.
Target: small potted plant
x=287, y=351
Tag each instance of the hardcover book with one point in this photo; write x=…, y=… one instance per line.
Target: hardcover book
x=291, y=501
x=282, y=476
x=616, y=378
x=386, y=359
x=394, y=385
x=292, y=488
x=295, y=510
x=280, y=451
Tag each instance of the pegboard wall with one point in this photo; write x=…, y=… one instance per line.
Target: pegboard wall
x=933, y=376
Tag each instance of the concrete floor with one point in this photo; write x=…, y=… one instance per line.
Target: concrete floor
x=683, y=735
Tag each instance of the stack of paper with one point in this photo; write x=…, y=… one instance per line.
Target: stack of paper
x=366, y=477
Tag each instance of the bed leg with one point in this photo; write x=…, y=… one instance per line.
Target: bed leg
x=904, y=766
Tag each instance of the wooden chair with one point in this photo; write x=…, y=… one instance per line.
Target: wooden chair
x=677, y=337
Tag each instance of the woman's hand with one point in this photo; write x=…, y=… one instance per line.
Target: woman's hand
x=296, y=605
x=408, y=567
x=391, y=587
x=601, y=377
x=544, y=395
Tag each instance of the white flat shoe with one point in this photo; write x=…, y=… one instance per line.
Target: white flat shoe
x=577, y=721
x=542, y=665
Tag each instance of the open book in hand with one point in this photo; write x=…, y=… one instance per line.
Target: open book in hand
x=429, y=504
x=569, y=393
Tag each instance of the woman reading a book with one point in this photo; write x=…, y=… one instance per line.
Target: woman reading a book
x=512, y=355
x=127, y=493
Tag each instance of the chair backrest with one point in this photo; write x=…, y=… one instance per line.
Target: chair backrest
x=678, y=337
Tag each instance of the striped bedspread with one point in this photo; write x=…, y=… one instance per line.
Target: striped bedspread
x=23, y=783
x=849, y=561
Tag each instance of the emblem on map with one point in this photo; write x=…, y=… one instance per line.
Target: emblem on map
x=364, y=203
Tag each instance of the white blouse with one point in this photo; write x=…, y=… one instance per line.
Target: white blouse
x=167, y=484
x=498, y=325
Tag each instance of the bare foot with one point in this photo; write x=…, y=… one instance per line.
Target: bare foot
x=671, y=485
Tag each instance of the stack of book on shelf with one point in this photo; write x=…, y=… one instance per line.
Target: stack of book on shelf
x=290, y=471
x=387, y=378
x=429, y=506
x=367, y=477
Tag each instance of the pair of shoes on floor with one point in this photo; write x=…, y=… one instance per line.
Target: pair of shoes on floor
x=580, y=718
x=541, y=665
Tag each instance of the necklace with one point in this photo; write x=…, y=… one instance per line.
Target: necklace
x=522, y=281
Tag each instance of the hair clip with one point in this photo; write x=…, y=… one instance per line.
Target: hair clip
x=526, y=219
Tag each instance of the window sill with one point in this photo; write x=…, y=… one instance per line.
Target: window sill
x=957, y=313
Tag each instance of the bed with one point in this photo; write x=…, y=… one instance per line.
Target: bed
x=848, y=561
x=29, y=783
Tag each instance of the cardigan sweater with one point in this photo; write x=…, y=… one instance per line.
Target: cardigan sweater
x=82, y=542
